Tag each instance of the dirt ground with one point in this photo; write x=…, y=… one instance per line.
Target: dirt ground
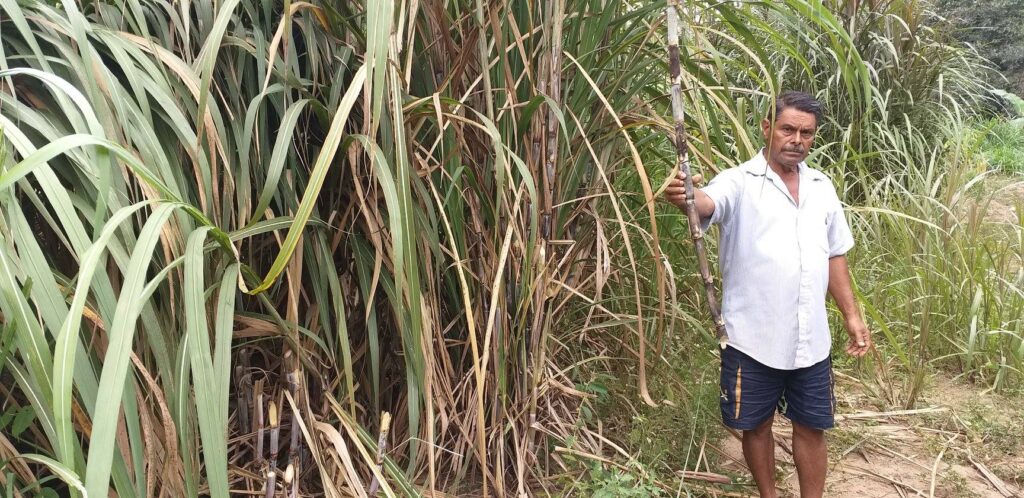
x=1005, y=202
x=958, y=442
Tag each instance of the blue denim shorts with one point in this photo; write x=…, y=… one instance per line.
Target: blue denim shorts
x=751, y=392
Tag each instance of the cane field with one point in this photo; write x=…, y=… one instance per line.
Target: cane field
x=419, y=248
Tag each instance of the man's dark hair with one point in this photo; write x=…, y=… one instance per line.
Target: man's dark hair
x=800, y=101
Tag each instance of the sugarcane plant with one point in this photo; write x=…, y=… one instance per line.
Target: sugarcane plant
x=683, y=163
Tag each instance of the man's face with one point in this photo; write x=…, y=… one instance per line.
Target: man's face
x=789, y=141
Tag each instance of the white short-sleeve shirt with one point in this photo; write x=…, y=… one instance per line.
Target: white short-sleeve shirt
x=773, y=255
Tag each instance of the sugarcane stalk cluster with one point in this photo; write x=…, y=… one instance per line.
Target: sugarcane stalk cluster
x=266, y=425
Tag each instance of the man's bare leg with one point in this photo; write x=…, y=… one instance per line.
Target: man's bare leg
x=759, y=452
x=811, y=457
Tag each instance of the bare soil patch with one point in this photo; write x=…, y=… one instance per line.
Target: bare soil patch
x=1006, y=200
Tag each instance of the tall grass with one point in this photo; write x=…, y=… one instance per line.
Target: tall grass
x=342, y=248
x=938, y=273
x=941, y=271
x=239, y=236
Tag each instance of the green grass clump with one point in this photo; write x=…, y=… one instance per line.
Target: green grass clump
x=1002, y=144
x=667, y=436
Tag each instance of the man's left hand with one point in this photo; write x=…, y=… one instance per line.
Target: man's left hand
x=860, y=337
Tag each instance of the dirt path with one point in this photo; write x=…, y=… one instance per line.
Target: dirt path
x=945, y=449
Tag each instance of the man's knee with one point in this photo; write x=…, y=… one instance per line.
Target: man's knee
x=802, y=431
x=764, y=429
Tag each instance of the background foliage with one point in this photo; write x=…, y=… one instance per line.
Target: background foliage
x=996, y=29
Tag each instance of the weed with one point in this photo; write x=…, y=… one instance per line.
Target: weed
x=956, y=485
x=670, y=435
x=617, y=483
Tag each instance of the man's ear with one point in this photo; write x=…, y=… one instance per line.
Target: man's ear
x=766, y=128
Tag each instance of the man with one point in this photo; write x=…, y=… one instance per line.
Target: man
x=783, y=240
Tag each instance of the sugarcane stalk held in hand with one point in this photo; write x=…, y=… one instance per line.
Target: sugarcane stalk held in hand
x=683, y=159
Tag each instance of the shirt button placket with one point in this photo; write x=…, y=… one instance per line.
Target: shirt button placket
x=803, y=334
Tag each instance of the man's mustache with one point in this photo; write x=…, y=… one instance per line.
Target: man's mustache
x=798, y=150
